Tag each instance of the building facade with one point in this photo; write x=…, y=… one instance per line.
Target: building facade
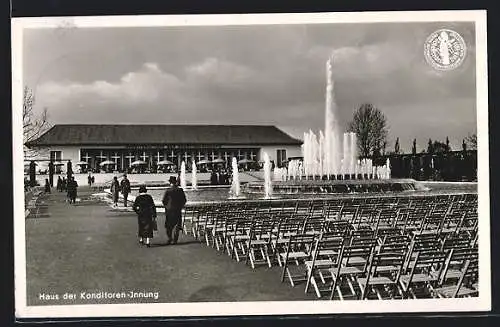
x=125, y=146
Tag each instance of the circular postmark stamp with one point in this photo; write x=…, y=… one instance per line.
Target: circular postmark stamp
x=445, y=49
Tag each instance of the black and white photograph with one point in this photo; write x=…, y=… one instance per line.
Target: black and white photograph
x=256, y=164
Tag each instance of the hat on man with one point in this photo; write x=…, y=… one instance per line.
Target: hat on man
x=172, y=180
x=142, y=189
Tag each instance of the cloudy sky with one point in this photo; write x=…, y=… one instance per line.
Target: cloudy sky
x=272, y=74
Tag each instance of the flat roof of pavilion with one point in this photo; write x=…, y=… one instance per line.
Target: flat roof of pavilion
x=137, y=134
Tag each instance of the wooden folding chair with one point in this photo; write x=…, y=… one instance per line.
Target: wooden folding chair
x=384, y=271
x=325, y=255
x=237, y=238
x=285, y=229
x=353, y=262
x=259, y=243
x=299, y=249
x=464, y=286
x=423, y=273
x=455, y=263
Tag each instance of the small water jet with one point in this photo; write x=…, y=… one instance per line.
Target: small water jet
x=234, y=191
x=183, y=176
x=194, y=177
x=268, y=186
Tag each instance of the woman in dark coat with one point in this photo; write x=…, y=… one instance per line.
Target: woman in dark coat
x=72, y=189
x=115, y=190
x=145, y=208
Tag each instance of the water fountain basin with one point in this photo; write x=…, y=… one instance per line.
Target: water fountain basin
x=338, y=186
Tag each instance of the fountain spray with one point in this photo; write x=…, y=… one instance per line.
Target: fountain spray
x=194, y=177
x=268, y=187
x=235, y=184
x=183, y=175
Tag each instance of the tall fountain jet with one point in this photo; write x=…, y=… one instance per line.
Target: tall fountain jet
x=331, y=153
x=332, y=148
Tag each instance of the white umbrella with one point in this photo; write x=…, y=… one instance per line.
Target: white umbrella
x=203, y=162
x=138, y=162
x=218, y=160
x=107, y=162
x=81, y=163
x=245, y=161
x=164, y=162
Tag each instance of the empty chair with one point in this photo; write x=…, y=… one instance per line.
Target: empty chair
x=237, y=237
x=382, y=277
x=325, y=255
x=285, y=229
x=259, y=242
x=299, y=249
x=424, y=272
x=455, y=264
x=353, y=262
x=465, y=287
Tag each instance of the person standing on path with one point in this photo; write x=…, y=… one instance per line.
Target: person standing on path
x=174, y=200
x=89, y=179
x=125, y=187
x=115, y=191
x=72, y=190
x=59, y=184
x=145, y=208
x=47, y=186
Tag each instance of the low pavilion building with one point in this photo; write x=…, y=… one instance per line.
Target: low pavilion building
x=123, y=145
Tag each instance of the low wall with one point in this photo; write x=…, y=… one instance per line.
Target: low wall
x=105, y=178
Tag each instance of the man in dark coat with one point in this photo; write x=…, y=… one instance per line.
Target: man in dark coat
x=173, y=200
x=125, y=188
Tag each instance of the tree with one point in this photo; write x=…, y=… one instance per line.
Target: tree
x=33, y=125
x=396, y=146
x=430, y=148
x=440, y=147
x=471, y=141
x=447, y=144
x=370, y=124
x=414, y=147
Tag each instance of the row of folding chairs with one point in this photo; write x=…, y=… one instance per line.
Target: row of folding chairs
x=448, y=218
x=331, y=207
x=216, y=225
x=389, y=270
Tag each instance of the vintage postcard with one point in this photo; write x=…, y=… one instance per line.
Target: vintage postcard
x=257, y=164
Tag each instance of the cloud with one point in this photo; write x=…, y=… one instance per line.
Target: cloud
x=144, y=85
x=218, y=71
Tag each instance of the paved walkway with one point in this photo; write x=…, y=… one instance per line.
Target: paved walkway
x=90, y=247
